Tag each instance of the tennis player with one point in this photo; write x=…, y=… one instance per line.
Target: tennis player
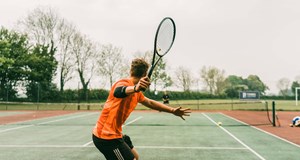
x=123, y=98
x=295, y=122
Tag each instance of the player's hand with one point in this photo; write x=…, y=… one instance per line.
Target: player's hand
x=143, y=84
x=182, y=112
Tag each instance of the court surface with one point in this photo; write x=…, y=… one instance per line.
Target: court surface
x=156, y=135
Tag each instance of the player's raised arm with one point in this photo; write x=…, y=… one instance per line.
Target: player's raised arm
x=181, y=112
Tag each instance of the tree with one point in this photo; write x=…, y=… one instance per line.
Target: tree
x=214, y=79
x=283, y=86
x=235, y=84
x=44, y=26
x=40, y=68
x=255, y=84
x=84, y=52
x=65, y=60
x=234, y=80
x=165, y=80
x=13, y=49
x=41, y=26
x=111, y=63
x=184, y=78
x=220, y=83
x=294, y=85
x=160, y=76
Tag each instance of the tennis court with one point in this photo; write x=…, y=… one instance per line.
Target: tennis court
x=156, y=135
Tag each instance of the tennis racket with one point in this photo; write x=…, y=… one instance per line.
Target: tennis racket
x=164, y=39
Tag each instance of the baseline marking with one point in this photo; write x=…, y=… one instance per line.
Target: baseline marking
x=141, y=147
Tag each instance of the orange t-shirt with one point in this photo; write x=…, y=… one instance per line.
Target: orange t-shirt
x=116, y=111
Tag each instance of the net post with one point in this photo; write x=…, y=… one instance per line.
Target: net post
x=273, y=113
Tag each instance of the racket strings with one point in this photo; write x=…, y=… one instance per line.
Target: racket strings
x=165, y=37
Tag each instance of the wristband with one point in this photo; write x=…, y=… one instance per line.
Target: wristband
x=135, y=89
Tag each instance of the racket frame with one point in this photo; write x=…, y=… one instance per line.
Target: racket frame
x=153, y=64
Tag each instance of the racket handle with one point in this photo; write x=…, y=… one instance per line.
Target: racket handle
x=149, y=75
x=150, y=72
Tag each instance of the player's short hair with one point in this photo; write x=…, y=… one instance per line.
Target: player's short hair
x=139, y=68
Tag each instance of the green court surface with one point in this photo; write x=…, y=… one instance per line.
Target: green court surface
x=156, y=135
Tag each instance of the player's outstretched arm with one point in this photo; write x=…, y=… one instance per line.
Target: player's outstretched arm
x=181, y=112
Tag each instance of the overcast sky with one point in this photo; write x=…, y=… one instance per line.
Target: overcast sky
x=242, y=37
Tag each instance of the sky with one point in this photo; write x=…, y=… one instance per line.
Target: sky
x=241, y=37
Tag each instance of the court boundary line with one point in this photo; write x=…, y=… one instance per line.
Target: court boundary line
x=187, y=147
x=57, y=120
x=234, y=137
x=141, y=147
x=271, y=134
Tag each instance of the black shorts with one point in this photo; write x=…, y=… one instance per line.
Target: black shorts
x=116, y=149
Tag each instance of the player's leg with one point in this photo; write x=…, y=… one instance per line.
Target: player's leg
x=115, y=149
x=135, y=153
x=129, y=143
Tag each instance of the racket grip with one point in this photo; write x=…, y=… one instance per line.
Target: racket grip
x=150, y=72
x=140, y=89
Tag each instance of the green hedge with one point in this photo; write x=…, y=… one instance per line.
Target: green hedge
x=100, y=95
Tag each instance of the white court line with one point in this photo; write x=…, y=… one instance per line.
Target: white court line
x=40, y=146
x=258, y=155
x=263, y=131
x=132, y=121
x=15, y=128
x=197, y=148
x=141, y=147
x=90, y=142
x=26, y=126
